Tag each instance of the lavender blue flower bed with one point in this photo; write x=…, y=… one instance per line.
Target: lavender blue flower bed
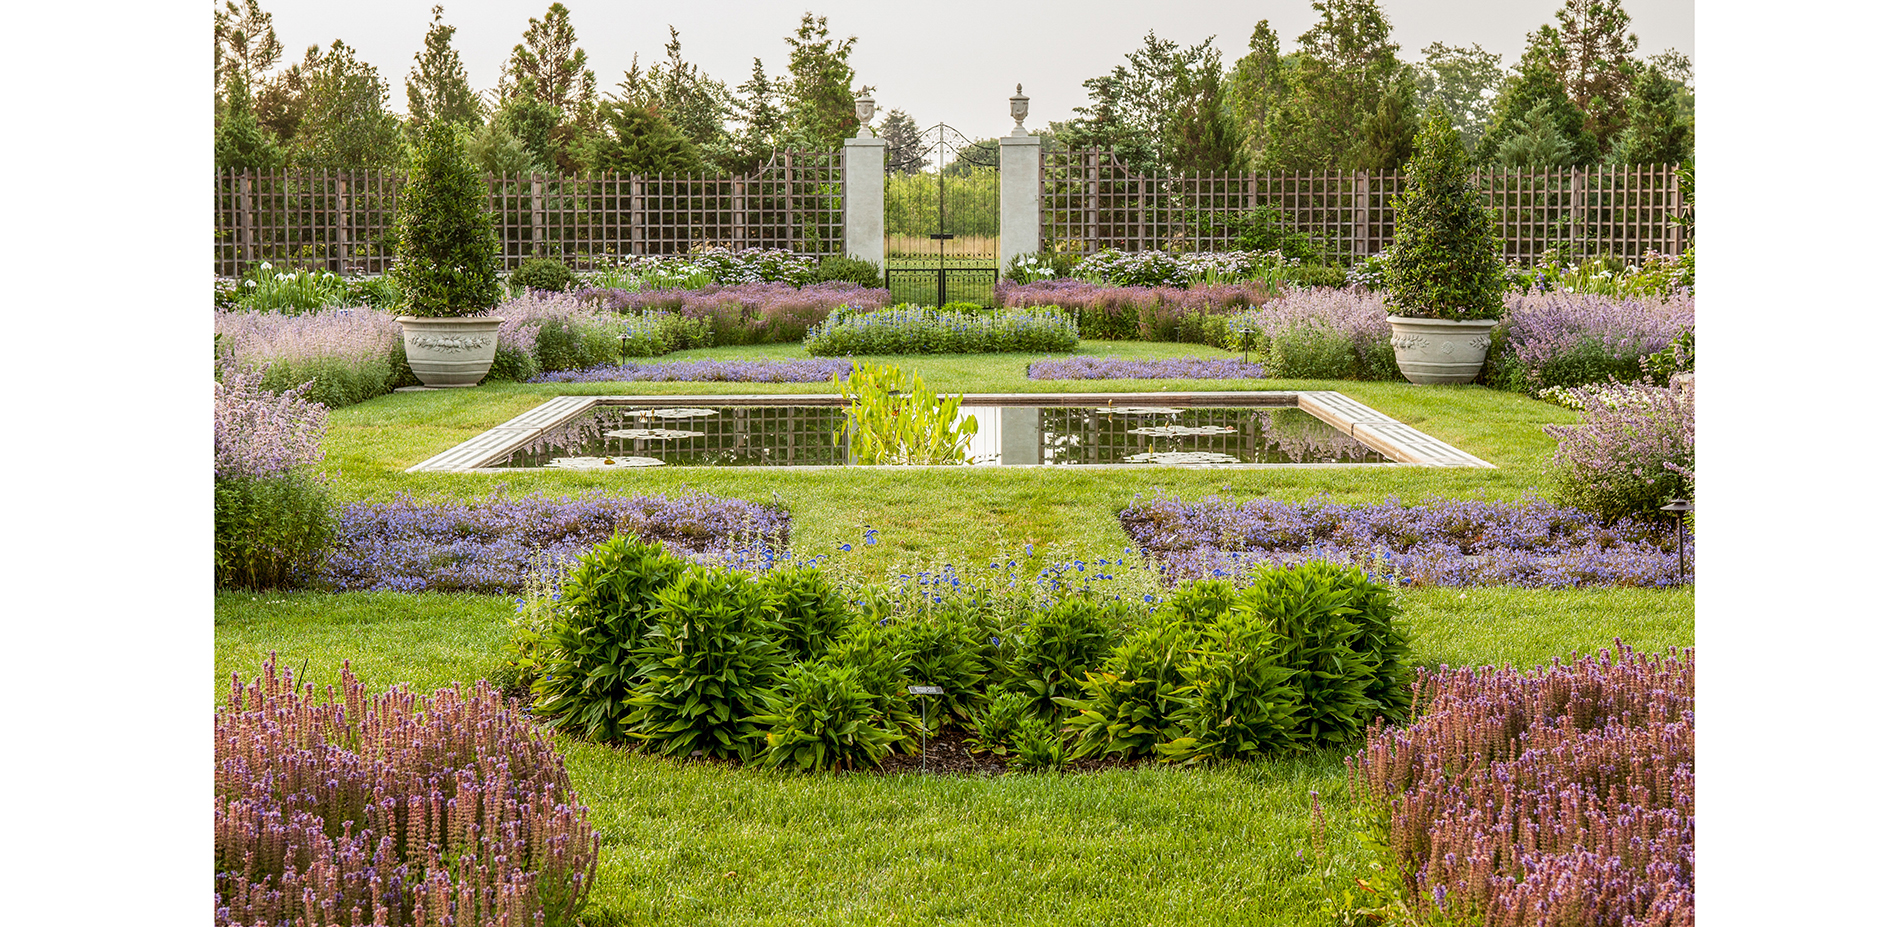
x=1440, y=543
x=489, y=546
x=707, y=371
x=1109, y=368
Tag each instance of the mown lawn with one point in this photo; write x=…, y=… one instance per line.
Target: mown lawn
x=708, y=844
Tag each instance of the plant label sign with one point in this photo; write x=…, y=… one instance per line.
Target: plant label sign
x=926, y=690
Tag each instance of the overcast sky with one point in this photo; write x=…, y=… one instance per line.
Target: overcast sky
x=955, y=62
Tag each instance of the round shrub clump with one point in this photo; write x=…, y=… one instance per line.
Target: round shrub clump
x=543, y=274
x=1443, y=262
x=847, y=269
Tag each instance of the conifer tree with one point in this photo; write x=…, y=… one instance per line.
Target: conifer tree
x=241, y=144
x=438, y=85
x=822, y=106
x=1656, y=132
x=643, y=141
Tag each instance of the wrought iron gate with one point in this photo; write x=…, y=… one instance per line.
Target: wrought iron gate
x=940, y=221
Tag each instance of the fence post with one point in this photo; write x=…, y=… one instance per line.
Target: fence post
x=535, y=219
x=864, y=189
x=1361, y=215
x=1576, y=214
x=341, y=214
x=247, y=225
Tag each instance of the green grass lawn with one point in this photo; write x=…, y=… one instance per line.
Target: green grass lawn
x=707, y=844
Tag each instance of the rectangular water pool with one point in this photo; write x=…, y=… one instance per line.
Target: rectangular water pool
x=1089, y=430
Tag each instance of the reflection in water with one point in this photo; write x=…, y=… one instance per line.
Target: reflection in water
x=779, y=436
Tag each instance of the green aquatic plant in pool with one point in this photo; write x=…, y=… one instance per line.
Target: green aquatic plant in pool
x=891, y=422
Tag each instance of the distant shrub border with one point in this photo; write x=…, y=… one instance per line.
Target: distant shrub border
x=1109, y=368
x=706, y=371
x=916, y=330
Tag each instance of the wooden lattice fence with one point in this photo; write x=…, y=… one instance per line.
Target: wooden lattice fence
x=1091, y=202
x=346, y=222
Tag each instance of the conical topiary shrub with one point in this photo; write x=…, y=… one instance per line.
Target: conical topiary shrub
x=1444, y=276
x=446, y=264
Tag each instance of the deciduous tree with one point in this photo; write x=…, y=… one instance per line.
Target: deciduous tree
x=346, y=125
x=1165, y=110
x=1463, y=82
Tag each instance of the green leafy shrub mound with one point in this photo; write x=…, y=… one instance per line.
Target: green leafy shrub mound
x=1038, y=747
x=871, y=648
x=1303, y=658
x=807, y=610
x=589, y=657
x=994, y=728
x=1444, y=261
x=708, y=664
x=894, y=422
x=1058, y=646
x=446, y=242
x=848, y=269
x=916, y=330
x=542, y=274
x=941, y=650
x=823, y=718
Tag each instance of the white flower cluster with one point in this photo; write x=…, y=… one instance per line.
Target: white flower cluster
x=1159, y=268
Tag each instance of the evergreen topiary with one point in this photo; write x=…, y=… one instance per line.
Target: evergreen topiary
x=543, y=274
x=1444, y=261
x=848, y=269
x=446, y=251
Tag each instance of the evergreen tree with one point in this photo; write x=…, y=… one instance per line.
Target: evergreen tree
x=761, y=123
x=438, y=85
x=244, y=43
x=496, y=152
x=241, y=144
x=538, y=127
x=904, y=145
x=1165, y=110
x=822, y=106
x=1589, y=49
x=1524, y=92
x=1462, y=82
x=643, y=141
x=1656, y=133
x=1343, y=100
x=693, y=101
x=346, y=125
x=280, y=101
x=1259, y=84
x=549, y=69
x=1537, y=142
x=1444, y=258
x=446, y=244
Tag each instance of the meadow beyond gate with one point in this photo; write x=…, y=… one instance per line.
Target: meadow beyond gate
x=940, y=221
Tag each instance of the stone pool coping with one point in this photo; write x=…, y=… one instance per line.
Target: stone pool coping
x=1403, y=444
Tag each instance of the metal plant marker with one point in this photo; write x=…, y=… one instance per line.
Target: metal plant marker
x=924, y=705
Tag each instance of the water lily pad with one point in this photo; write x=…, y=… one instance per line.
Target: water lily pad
x=1178, y=431
x=671, y=413
x=604, y=463
x=1182, y=458
x=654, y=434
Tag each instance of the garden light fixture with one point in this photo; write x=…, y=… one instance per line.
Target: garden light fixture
x=1679, y=508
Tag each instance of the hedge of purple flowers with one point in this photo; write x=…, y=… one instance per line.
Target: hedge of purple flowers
x=707, y=371
x=490, y=546
x=1321, y=334
x=1632, y=452
x=1569, y=339
x=747, y=313
x=395, y=809
x=1441, y=542
x=1109, y=368
x=1560, y=797
x=1194, y=314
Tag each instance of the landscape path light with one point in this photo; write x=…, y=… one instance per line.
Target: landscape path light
x=1246, y=341
x=1680, y=508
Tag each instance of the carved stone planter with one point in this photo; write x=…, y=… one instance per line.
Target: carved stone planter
x=1432, y=351
x=451, y=352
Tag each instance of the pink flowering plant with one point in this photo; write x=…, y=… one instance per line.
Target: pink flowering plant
x=397, y=809
x=1555, y=797
x=346, y=355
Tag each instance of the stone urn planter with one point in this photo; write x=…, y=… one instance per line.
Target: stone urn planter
x=450, y=352
x=1433, y=351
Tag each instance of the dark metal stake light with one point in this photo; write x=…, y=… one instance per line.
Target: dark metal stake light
x=1680, y=508
x=1246, y=341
